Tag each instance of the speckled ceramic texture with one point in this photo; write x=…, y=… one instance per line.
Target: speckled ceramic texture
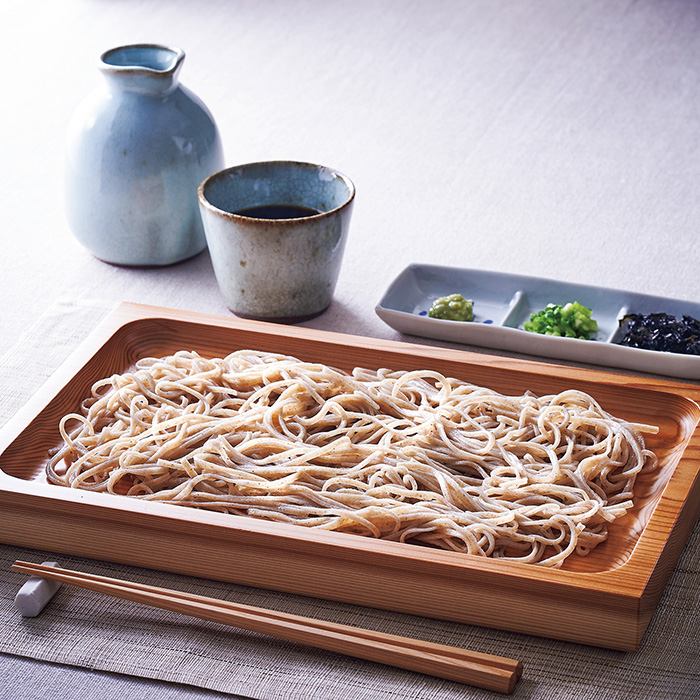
x=138, y=148
x=277, y=269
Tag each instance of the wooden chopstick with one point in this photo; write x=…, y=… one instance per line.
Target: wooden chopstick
x=475, y=668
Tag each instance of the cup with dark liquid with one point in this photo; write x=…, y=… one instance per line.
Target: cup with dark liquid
x=276, y=233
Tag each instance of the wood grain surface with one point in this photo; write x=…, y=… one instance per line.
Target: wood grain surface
x=605, y=599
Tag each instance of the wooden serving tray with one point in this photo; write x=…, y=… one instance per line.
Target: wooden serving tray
x=605, y=599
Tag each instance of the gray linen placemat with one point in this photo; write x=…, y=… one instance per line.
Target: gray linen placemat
x=85, y=629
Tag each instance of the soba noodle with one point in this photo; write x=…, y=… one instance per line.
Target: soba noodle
x=409, y=456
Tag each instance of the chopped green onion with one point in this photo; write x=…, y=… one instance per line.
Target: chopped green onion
x=573, y=320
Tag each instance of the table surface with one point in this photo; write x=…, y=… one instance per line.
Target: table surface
x=540, y=137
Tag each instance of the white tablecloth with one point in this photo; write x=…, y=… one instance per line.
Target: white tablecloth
x=552, y=138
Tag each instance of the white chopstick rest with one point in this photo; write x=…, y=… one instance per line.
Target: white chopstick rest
x=32, y=598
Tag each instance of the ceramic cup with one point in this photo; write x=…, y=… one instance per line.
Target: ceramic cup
x=276, y=269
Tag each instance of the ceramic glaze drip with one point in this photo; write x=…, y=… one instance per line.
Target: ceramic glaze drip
x=138, y=148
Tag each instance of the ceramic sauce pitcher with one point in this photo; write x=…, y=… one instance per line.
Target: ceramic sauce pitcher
x=138, y=149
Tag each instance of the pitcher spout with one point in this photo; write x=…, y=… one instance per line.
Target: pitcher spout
x=144, y=68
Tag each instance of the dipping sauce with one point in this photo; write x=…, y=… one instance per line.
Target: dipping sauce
x=278, y=211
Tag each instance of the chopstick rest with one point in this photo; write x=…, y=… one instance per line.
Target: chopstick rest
x=475, y=668
x=36, y=592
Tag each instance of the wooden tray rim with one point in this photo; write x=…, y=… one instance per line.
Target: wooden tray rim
x=451, y=562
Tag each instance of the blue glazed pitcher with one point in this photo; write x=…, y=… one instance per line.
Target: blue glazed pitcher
x=138, y=148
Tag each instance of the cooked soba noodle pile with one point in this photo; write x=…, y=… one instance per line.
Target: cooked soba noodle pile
x=406, y=456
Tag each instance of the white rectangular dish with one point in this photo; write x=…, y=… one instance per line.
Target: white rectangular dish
x=503, y=302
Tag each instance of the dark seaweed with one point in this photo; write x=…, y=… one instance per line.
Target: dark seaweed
x=663, y=332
